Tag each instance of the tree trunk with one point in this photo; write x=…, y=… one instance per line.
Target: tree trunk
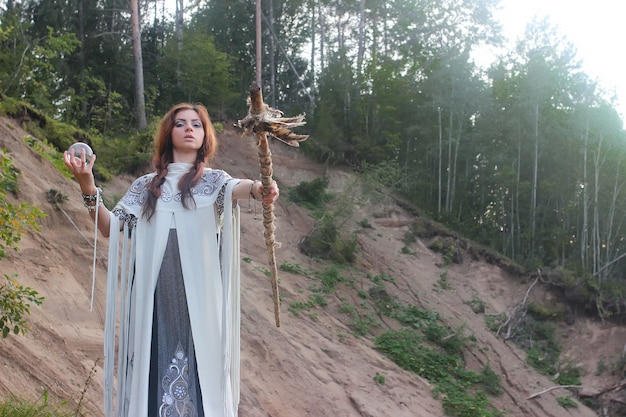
x=584, y=233
x=361, y=40
x=455, y=162
x=595, y=231
x=449, y=166
x=140, y=104
x=440, y=160
x=320, y=13
x=533, y=197
x=81, y=37
x=259, y=48
x=272, y=53
x=179, y=39
x=313, y=33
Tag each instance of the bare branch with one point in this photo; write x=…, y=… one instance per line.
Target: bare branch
x=537, y=394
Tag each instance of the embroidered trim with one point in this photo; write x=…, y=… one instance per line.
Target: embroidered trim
x=220, y=199
x=130, y=219
x=176, y=401
x=206, y=186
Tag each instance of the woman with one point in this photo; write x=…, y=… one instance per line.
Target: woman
x=178, y=351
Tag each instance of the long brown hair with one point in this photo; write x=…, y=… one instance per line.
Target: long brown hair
x=164, y=155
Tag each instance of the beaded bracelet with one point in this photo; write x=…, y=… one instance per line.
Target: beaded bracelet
x=96, y=199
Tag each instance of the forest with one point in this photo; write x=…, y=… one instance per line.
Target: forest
x=525, y=157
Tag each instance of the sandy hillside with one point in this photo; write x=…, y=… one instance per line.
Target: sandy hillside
x=313, y=365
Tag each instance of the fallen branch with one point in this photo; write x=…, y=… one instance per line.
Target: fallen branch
x=519, y=310
x=587, y=392
x=552, y=388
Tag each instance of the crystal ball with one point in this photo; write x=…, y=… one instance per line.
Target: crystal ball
x=78, y=148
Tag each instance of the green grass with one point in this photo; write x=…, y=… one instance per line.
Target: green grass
x=17, y=407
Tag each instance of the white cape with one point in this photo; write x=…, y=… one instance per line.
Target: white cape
x=211, y=285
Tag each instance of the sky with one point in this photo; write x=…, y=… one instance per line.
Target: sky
x=596, y=28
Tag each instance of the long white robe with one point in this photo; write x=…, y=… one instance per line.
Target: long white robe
x=211, y=286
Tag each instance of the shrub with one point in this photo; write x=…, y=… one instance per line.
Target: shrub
x=326, y=242
x=311, y=194
x=15, y=302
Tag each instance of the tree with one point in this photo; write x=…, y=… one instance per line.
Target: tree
x=32, y=66
x=205, y=73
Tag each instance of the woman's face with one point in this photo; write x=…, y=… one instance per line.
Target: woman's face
x=187, y=136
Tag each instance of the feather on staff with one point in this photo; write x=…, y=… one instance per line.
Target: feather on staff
x=262, y=120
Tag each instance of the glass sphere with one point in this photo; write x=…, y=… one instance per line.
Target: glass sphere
x=78, y=148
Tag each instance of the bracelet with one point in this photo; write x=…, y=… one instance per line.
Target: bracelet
x=96, y=199
x=251, y=186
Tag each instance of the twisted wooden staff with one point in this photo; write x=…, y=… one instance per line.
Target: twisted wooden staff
x=263, y=120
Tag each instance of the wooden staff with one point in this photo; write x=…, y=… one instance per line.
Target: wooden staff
x=263, y=120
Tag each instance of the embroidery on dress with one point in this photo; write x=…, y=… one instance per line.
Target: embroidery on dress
x=220, y=200
x=136, y=194
x=125, y=217
x=176, y=401
x=206, y=186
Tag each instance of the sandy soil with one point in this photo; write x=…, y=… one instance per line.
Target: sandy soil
x=312, y=365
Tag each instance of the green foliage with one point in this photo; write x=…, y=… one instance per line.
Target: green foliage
x=569, y=374
x=435, y=352
x=477, y=305
x=55, y=197
x=33, y=67
x=380, y=278
x=618, y=365
x=311, y=194
x=17, y=407
x=326, y=242
x=15, y=299
x=107, y=110
x=315, y=300
x=329, y=278
x=567, y=402
x=543, y=351
x=380, y=379
x=384, y=303
x=292, y=268
x=364, y=223
x=129, y=153
x=542, y=312
x=446, y=371
x=385, y=173
x=446, y=247
x=491, y=381
x=495, y=321
x=428, y=324
x=361, y=324
x=204, y=73
x=443, y=282
x=44, y=149
x=15, y=302
x=219, y=128
x=8, y=174
x=14, y=219
x=57, y=136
